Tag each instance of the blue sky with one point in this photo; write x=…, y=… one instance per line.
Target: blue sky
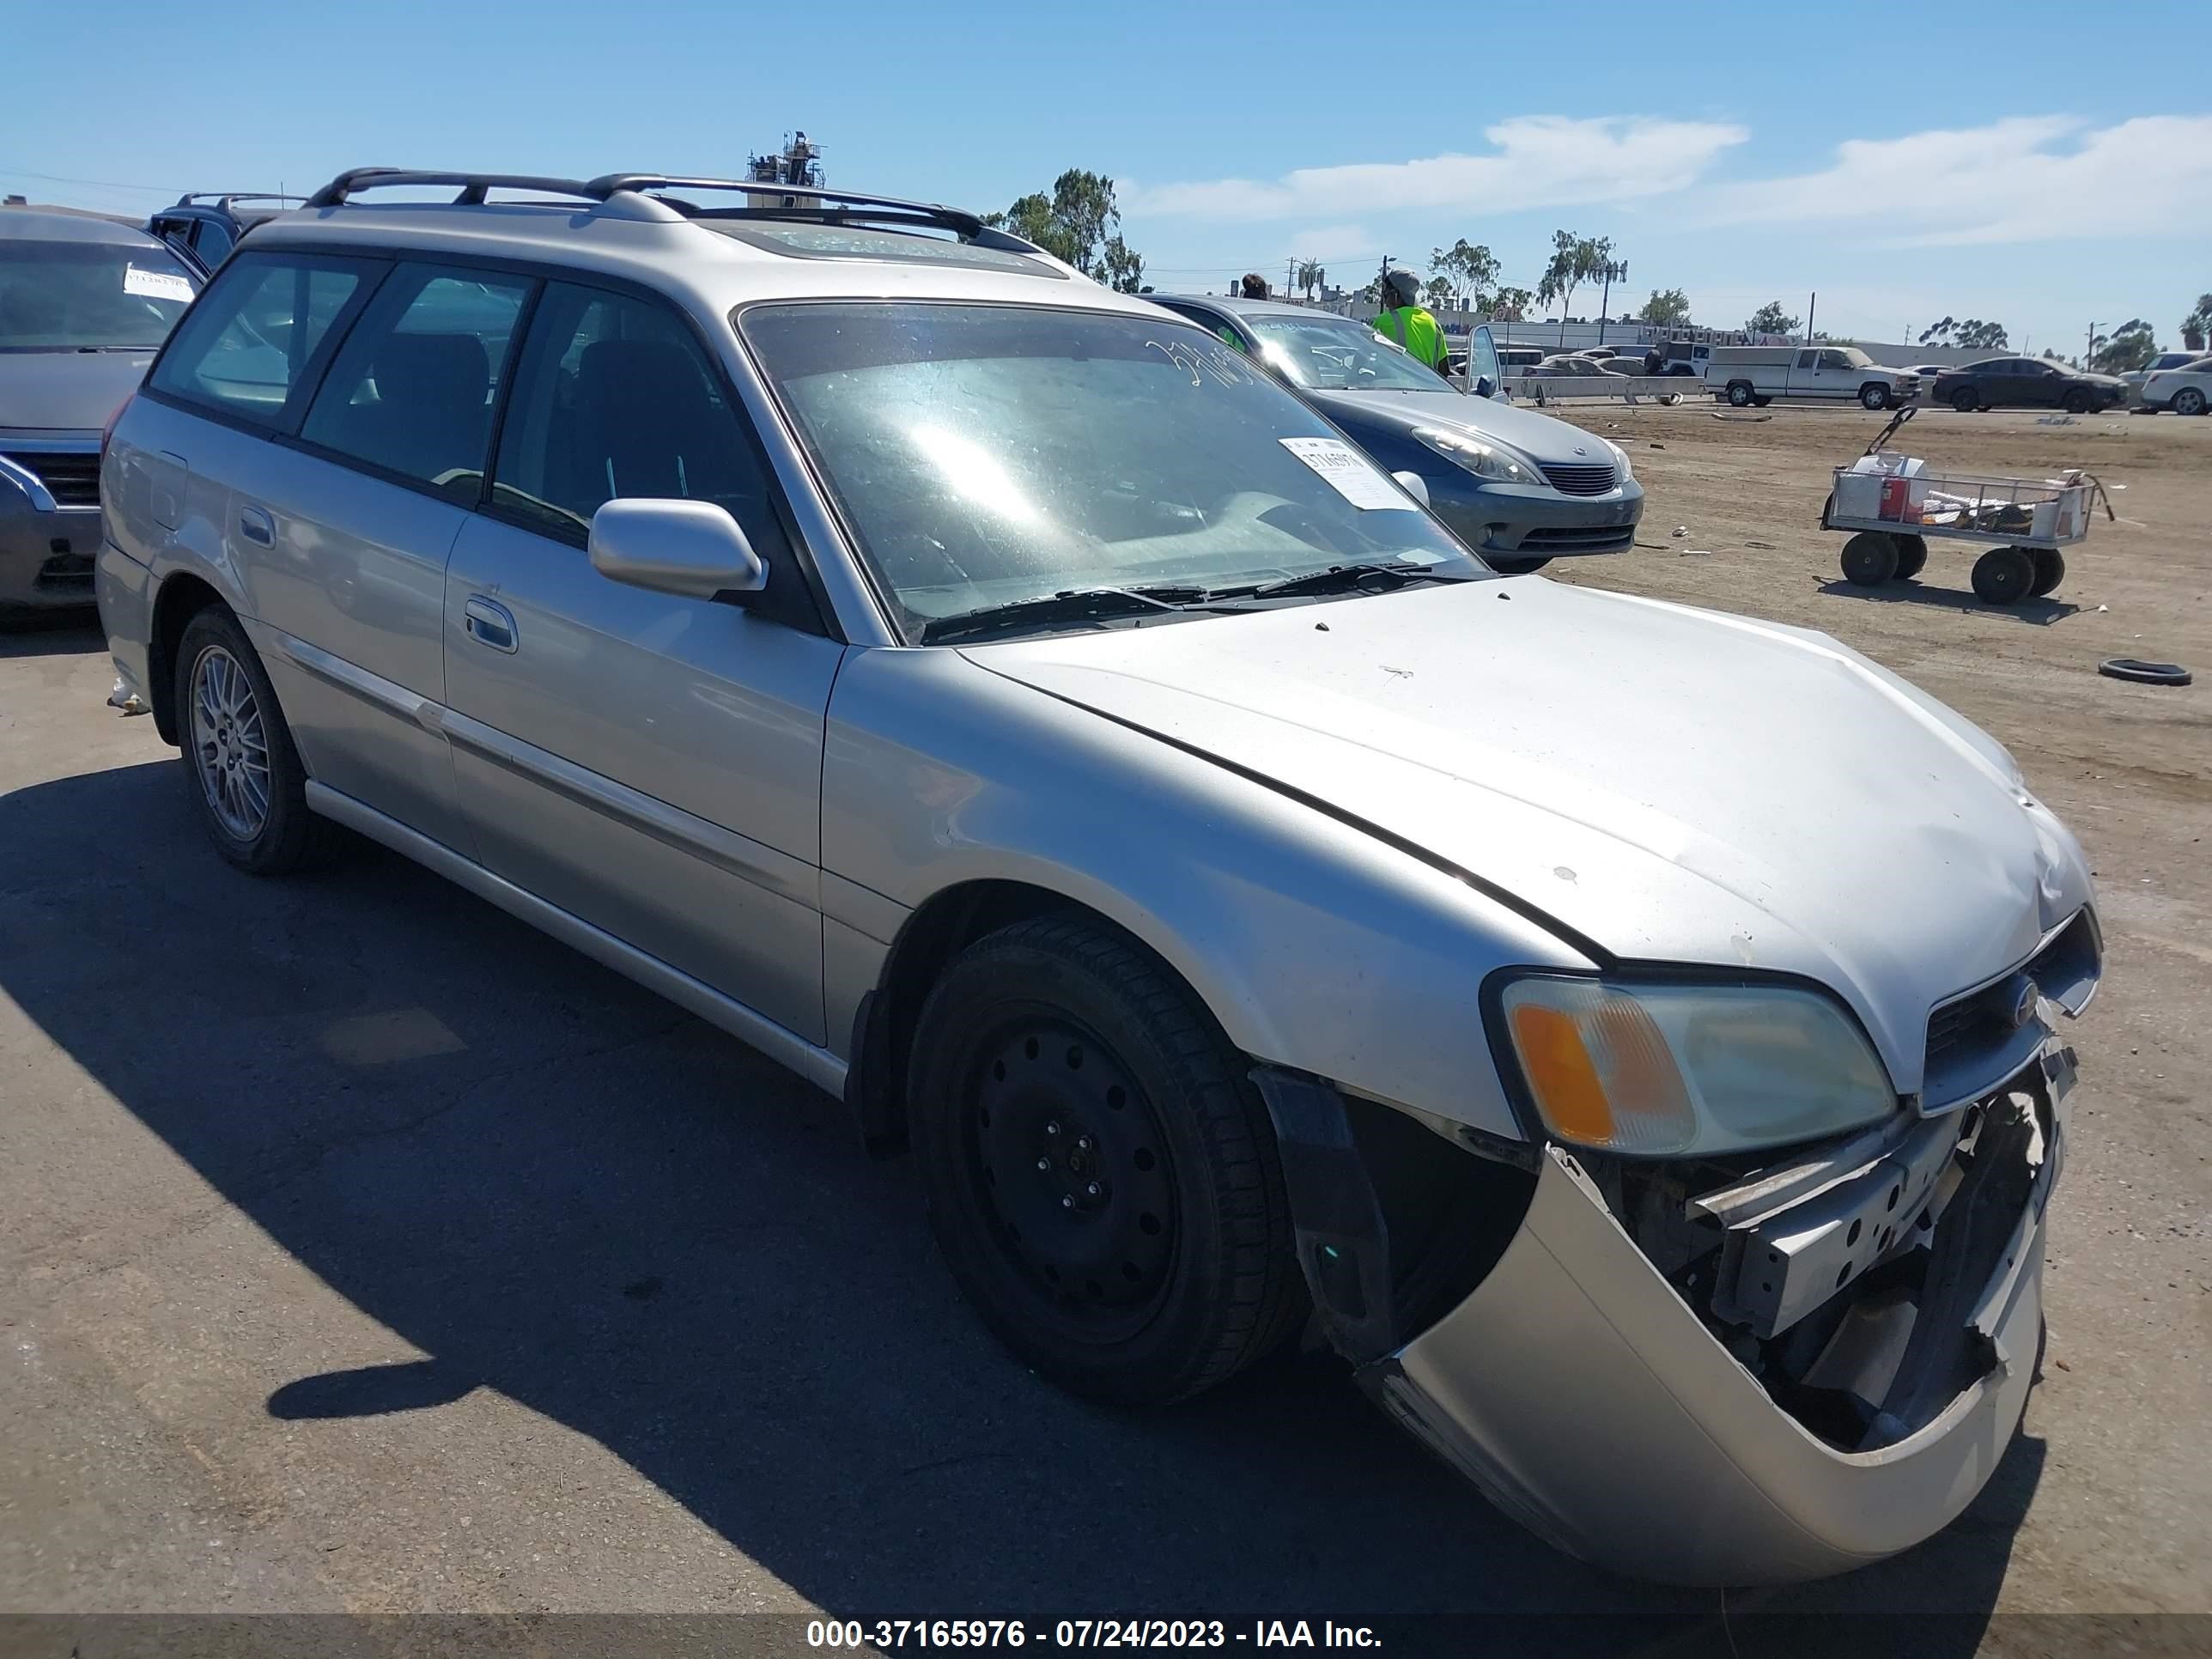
x=2027, y=162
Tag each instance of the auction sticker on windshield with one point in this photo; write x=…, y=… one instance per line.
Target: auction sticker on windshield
x=156, y=284
x=1349, y=473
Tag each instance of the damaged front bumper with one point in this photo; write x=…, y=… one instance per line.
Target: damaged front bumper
x=1688, y=1425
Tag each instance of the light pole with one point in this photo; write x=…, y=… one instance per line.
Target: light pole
x=1613, y=271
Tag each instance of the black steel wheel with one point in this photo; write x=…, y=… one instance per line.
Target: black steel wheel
x=1912, y=556
x=1101, y=1177
x=2005, y=575
x=2049, y=569
x=1869, y=559
x=1966, y=400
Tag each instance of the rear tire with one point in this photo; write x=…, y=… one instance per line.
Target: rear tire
x=1912, y=556
x=2050, y=570
x=1869, y=559
x=1101, y=1177
x=2004, y=575
x=2078, y=401
x=1873, y=396
x=1966, y=400
x=1739, y=393
x=1761, y=402
x=2188, y=401
x=241, y=767
x=1516, y=567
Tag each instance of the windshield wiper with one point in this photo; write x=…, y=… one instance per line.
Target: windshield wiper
x=1339, y=578
x=1071, y=605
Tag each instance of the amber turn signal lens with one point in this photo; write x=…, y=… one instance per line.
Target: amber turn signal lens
x=1561, y=1074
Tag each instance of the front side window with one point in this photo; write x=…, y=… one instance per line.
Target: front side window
x=1338, y=357
x=89, y=296
x=985, y=454
x=247, y=348
x=1482, y=358
x=412, y=390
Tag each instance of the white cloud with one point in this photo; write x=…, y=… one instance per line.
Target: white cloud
x=2021, y=179
x=1331, y=241
x=1538, y=160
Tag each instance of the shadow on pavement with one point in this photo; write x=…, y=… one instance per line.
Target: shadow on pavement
x=561, y=1188
x=2040, y=613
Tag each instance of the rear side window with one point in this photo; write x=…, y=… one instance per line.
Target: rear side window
x=211, y=241
x=412, y=390
x=247, y=347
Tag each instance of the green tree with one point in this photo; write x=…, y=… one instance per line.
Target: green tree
x=1437, y=293
x=1574, y=260
x=2197, y=326
x=2129, y=346
x=1668, y=307
x=1977, y=335
x=1468, y=269
x=1080, y=222
x=1771, y=319
x=1511, y=305
x=1311, y=276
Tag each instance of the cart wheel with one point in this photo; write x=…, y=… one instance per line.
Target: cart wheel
x=2049, y=569
x=2004, y=575
x=1869, y=559
x=1912, y=556
x=1964, y=400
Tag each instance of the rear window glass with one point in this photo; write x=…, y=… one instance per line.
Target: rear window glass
x=807, y=241
x=249, y=343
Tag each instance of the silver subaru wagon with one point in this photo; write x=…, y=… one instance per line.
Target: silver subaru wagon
x=1626, y=1033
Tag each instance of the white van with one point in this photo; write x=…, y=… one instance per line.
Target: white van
x=1748, y=375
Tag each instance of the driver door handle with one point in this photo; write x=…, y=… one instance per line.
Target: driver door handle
x=256, y=525
x=489, y=623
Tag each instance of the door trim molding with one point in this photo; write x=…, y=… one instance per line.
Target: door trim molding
x=817, y=1066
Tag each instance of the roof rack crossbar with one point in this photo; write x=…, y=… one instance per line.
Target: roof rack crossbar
x=828, y=205
x=191, y=197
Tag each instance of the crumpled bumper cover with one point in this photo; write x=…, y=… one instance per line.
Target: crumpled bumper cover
x=1583, y=1395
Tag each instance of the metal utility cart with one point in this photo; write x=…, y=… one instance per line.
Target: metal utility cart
x=1894, y=503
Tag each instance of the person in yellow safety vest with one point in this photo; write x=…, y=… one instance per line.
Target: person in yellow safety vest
x=1405, y=322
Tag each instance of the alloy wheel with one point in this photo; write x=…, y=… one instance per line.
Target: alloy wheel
x=230, y=745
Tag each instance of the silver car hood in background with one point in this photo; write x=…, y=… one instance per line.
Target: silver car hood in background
x=1671, y=785
x=1540, y=437
x=67, y=391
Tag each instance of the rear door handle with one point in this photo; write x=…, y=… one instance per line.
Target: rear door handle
x=489, y=623
x=257, y=525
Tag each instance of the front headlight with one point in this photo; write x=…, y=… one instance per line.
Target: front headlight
x=1621, y=455
x=1657, y=1070
x=1480, y=455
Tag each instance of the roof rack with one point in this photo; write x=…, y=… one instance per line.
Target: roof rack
x=190, y=197
x=827, y=205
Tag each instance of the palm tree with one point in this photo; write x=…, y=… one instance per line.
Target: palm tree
x=1310, y=275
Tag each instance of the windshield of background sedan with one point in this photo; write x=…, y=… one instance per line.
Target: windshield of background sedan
x=78, y=296
x=986, y=454
x=1340, y=356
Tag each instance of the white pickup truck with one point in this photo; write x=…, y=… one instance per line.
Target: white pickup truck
x=1748, y=375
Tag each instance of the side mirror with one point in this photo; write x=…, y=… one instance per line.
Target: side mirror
x=1414, y=485
x=1485, y=386
x=693, y=548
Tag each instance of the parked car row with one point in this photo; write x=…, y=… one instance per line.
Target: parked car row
x=1020, y=708
x=2185, y=387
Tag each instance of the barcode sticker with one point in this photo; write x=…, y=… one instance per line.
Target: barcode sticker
x=1349, y=473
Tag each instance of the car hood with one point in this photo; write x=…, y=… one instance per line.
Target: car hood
x=1539, y=437
x=1663, y=784
x=74, y=391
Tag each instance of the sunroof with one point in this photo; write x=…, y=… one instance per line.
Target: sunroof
x=824, y=241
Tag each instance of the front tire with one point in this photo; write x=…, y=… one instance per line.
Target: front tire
x=1101, y=1177
x=1869, y=559
x=241, y=767
x=1874, y=396
x=1966, y=400
x=2005, y=575
x=2079, y=403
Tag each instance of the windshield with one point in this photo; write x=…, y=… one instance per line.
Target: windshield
x=983, y=454
x=80, y=296
x=1339, y=356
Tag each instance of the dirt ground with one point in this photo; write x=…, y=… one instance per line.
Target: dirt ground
x=360, y=1251
x=2125, y=1410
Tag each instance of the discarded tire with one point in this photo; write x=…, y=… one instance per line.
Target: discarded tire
x=2147, y=673
x=2004, y=575
x=1869, y=559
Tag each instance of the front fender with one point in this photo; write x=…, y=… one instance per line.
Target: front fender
x=1318, y=946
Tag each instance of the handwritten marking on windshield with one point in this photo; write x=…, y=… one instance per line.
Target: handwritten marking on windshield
x=1202, y=361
